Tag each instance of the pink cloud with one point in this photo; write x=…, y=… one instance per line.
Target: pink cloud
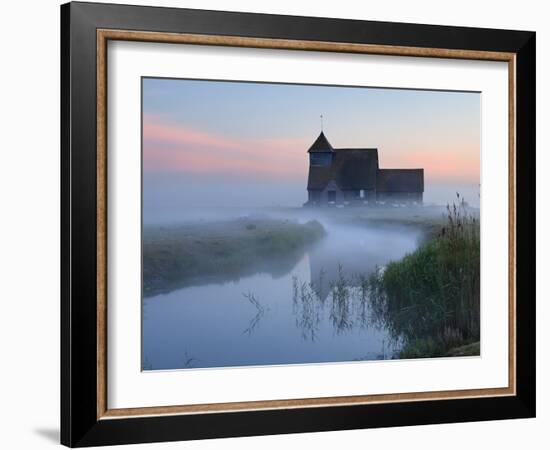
x=156, y=131
x=457, y=165
x=180, y=148
x=170, y=147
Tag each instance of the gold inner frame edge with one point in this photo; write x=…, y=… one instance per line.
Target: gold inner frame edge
x=103, y=36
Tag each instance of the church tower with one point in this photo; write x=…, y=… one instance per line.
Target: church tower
x=321, y=153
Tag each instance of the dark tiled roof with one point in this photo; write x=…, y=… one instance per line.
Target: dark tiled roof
x=400, y=180
x=351, y=169
x=321, y=144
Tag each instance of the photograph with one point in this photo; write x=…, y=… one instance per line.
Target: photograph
x=279, y=222
x=307, y=224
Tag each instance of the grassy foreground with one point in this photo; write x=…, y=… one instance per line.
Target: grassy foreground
x=192, y=254
x=431, y=298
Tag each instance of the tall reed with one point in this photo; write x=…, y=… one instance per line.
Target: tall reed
x=432, y=296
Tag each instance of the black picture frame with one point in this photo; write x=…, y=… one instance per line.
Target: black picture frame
x=80, y=425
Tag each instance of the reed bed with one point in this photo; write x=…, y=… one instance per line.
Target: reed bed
x=431, y=298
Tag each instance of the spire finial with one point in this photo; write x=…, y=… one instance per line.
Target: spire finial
x=321, y=123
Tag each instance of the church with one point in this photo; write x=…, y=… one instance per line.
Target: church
x=352, y=176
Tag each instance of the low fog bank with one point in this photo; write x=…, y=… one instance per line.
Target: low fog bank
x=443, y=194
x=181, y=198
x=172, y=199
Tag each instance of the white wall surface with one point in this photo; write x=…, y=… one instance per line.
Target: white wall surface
x=29, y=225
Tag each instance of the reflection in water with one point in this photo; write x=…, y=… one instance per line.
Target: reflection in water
x=347, y=299
x=341, y=311
x=189, y=361
x=260, y=311
x=306, y=308
x=318, y=311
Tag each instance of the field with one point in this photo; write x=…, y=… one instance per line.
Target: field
x=202, y=252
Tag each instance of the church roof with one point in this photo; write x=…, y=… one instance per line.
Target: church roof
x=351, y=169
x=400, y=180
x=321, y=145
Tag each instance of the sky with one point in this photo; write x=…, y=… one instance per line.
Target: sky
x=217, y=136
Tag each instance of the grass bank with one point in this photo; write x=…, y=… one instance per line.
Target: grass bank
x=431, y=297
x=191, y=254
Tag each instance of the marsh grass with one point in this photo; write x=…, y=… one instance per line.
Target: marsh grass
x=432, y=296
x=428, y=301
x=307, y=306
x=194, y=254
x=347, y=304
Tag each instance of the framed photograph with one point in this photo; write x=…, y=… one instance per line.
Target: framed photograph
x=277, y=224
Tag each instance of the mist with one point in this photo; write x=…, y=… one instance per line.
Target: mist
x=175, y=198
x=238, y=273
